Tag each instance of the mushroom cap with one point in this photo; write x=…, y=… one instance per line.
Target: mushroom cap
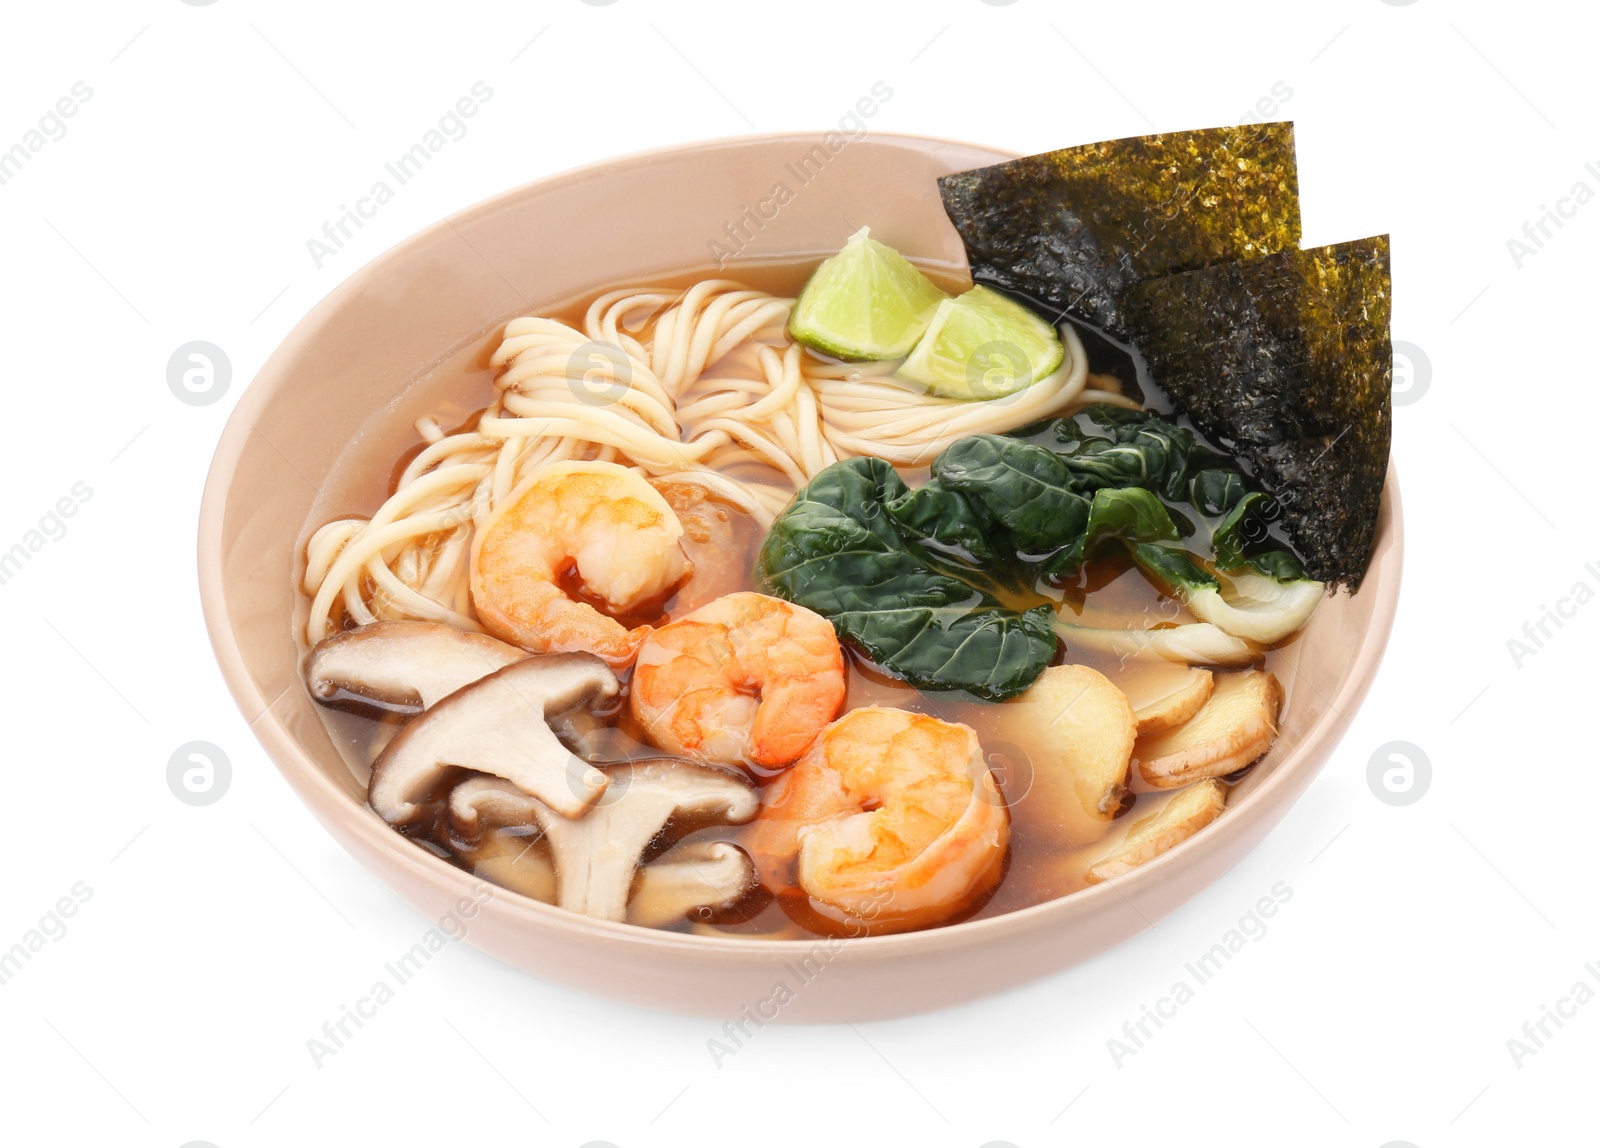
x=483, y=803
x=499, y=725
x=703, y=874
x=689, y=787
x=596, y=855
x=691, y=876
x=478, y=808
x=401, y=667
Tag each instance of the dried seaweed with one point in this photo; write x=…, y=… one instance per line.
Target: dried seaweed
x=1073, y=230
x=1286, y=361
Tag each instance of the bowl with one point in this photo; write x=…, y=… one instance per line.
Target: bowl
x=361, y=365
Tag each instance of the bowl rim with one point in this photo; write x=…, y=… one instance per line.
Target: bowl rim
x=325, y=799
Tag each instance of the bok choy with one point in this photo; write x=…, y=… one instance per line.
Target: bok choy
x=909, y=577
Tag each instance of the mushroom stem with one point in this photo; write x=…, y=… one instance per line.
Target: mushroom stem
x=596, y=855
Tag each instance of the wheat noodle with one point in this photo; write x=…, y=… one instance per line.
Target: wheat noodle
x=701, y=387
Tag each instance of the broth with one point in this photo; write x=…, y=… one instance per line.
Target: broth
x=456, y=388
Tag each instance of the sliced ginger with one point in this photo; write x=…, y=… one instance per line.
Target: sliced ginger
x=1179, y=817
x=1164, y=695
x=1235, y=726
x=1077, y=730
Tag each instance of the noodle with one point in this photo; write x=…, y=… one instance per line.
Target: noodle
x=684, y=388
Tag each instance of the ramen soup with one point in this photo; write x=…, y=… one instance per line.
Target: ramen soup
x=845, y=599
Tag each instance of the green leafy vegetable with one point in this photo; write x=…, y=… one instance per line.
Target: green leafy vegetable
x=1241, y=527
x=1026, y=493
x=905, y=575
x=1114, y=446
x=943, y=522
x=1053, y=493
x=1129, y=513
x=1190, y=475
x=1173, y=567
x=836, y=549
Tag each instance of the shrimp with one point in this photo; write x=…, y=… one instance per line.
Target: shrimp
x=602, y=520
x=744, y=680
x=718, y=538
x=891, y=821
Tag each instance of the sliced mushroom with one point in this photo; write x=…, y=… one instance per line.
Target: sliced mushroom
x=703, y=874
x=480, y=808
x=1193, y=643
x=500, y=725
x=1178, y=818
x=1236, y=726
x=596, y=854
x=1077, y=730
x=517, y=863
x=481, y=804
x=1163, y=694
x=706, y=874
x=402, y=667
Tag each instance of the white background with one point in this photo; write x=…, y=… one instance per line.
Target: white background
x=217, y=940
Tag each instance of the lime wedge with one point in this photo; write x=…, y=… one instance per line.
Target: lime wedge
x=981, y=345
x=866, y=302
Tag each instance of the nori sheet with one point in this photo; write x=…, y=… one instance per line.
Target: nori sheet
x=1073, y=230
x=1286, y=361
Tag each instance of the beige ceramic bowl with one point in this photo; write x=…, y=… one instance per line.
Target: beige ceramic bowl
x=357, y=369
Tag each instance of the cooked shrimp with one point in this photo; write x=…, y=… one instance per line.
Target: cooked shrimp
x=719, y=539
x=744, y=679
x=602, y=520
x=891, y=821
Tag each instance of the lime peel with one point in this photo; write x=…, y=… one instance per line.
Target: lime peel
x=983, y=345
x=865, y=302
